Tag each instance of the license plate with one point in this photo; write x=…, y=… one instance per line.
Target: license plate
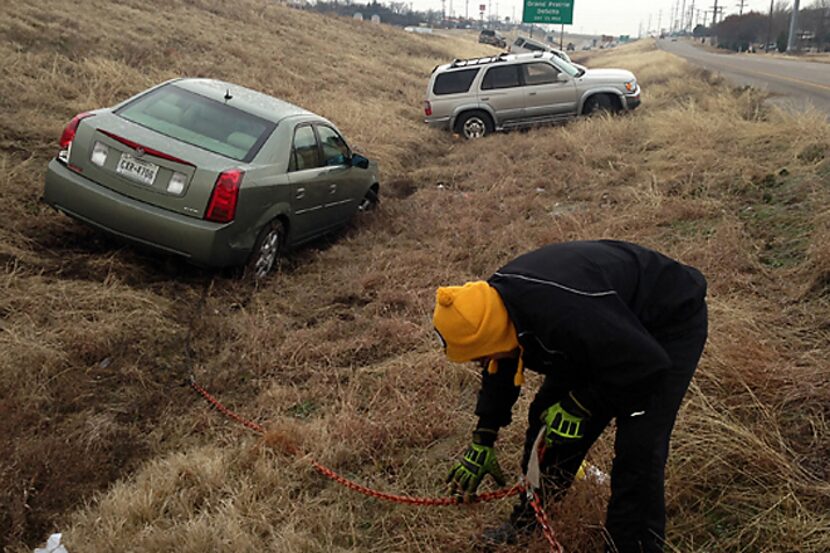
x=137, y=169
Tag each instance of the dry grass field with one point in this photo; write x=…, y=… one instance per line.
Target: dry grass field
x=334, y=355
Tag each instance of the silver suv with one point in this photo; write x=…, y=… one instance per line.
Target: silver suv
x=478, y=96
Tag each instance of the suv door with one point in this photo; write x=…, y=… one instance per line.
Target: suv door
x=501, y=89
x=309, y=185
x=545, y=94
x=344, y=181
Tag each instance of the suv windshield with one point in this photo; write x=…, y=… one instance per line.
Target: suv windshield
x=567, y=67
x=199, y=121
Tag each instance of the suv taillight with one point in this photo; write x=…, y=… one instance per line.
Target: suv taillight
x=427, y=108
x=68, y=135
x=222, y=206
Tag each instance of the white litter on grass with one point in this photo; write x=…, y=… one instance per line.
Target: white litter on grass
x=53, y=545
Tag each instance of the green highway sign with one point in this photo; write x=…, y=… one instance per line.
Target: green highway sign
x=548, y=11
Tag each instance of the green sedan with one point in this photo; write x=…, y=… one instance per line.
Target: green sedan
x=214, y=172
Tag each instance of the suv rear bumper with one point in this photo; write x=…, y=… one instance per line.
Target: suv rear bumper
x=201, y=242
x=438, y=122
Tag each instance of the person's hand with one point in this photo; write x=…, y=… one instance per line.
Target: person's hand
x=478, y=461
x=564, y=421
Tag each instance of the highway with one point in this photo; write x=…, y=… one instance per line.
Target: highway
x=795, y=84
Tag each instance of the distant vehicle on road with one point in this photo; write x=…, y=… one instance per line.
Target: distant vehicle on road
x=476, y=97
x=489, y=36
x=214, y=172
x=523, y=45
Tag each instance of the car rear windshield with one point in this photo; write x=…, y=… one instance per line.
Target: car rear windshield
x=454, y=82
x=199, y=121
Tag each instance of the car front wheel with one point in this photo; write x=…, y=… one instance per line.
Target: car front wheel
x=599, y=103
x=474, y=124
x=267, y=249
x=370, y=201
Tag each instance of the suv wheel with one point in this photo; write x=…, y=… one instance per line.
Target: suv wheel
x=599, y=103
x=474, y=124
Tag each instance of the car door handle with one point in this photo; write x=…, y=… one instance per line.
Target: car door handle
x=300, y=193
x=332, y=188
x=531, y=94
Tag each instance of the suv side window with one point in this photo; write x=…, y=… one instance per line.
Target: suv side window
x=534, y=47
x=539, y=73
x=454, y=82
x=519, y=42
x=335, y=150
x=505, y=76
x=304, y=153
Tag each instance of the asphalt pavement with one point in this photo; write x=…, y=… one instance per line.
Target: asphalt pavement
x=796, y=84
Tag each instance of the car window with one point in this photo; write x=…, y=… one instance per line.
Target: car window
x=539, y=73
x=335, y=150
x=199, y=121
x=534, y=47
x=518, y=42
x=506, y=76
x=454, y=82
x=304, y=153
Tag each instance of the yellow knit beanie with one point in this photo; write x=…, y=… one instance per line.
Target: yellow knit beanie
x=474, y=323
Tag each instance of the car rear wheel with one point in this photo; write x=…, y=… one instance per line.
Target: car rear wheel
x=599, y=103
x=267, y=249
x=474, y=124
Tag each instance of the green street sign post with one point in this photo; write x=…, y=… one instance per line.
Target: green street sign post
x=549, y=11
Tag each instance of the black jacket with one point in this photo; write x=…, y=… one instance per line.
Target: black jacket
x=590, y=314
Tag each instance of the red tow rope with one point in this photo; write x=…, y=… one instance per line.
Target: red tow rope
x=520, y=487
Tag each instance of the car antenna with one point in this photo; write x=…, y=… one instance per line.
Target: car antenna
x=228, y=95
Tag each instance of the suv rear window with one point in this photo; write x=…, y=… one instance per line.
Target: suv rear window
x=454, y=82
x=199, y=121
x=506, y=76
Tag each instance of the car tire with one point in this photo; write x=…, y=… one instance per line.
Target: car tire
x=598, y=104
x=474, y=124
x=267, y=250
x=370, y=201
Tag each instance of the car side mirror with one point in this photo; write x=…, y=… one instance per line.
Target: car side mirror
x=360, y=161
x=562, y=78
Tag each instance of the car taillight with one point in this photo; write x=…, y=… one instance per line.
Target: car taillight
x=222, y=206
x=68, y=135
x=427, y=108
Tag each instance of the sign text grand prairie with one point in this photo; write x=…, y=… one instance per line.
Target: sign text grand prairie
x=548, y=11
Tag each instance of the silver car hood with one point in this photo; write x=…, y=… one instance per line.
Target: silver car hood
x=607, y=75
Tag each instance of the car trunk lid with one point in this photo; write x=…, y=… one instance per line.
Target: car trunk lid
x=146, y=165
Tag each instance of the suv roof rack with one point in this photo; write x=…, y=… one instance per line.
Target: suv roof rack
x=478, y=61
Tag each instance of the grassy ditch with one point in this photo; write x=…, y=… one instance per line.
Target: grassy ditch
x=334, y=355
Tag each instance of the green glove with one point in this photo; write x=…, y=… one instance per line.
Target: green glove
x=564, y=421
x=478, y=461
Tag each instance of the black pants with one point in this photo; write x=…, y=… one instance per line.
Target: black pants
x=636, y=517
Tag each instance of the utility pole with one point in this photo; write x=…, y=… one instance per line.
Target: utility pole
x=741, y=4
x=692, y=17
x=769, y=27
x=467, y=9
x=450, y=13
x=683, y=17
x=791, y=40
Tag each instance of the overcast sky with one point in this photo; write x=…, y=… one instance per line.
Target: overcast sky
x=614, y=17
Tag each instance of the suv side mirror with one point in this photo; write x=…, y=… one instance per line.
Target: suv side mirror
x=562, y=78
x=360, y=161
